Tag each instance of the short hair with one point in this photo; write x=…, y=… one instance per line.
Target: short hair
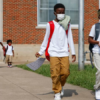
x=58, y=5
x=9, y=41
x=98, y=10
x=99, y=13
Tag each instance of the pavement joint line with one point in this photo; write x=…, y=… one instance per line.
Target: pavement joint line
x=21, y=88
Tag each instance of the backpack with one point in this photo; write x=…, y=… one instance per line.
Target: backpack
x=51, y=23
x=97, y=31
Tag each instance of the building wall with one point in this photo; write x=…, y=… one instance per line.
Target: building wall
x=20, y=21
x=26, y=53
x=90, y=12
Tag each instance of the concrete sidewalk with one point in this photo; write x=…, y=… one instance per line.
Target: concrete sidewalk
x=19, y=84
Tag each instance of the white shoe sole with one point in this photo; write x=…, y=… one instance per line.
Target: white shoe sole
x=57, y=99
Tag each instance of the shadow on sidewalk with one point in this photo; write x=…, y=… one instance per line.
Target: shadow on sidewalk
x=93, y=92
x=6, y=67
x=2, y=66
x=67, y=93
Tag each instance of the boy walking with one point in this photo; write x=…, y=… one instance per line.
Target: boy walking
x=58, y=49
x=94, y=40
x=9, y=53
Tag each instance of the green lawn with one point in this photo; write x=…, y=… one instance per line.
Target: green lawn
x=84, y=78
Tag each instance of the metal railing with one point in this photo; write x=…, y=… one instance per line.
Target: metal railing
x=86, y=52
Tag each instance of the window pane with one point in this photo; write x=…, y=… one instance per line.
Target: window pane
x=74, y=17
x=51, y=15
x=47, y=3
x=52, y=3
x=43, y=16
x=74, y=4
x=66, y=3
x=70, y=4
x=67, y=12
x=44, y=3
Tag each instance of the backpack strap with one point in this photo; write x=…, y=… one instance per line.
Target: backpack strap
x=67, y=34
x=12, y=48
x=7, y=48
x=67, y=29
x=97, y=30
x=51, y=23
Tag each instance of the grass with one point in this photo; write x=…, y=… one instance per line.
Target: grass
x=84, y=78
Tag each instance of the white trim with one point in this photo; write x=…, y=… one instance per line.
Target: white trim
x=1, y=29
x=37, y=11
x=43, y=26
x=1, y=20
x=99, y=4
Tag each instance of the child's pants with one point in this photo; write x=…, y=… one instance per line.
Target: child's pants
x=8, y=58
x=59, y=68
x=97, y=65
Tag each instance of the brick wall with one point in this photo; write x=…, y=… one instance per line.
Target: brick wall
x=91, y=7
x=20, y=20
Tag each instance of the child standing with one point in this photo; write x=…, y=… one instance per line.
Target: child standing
x=58, y=50
x=9, y=53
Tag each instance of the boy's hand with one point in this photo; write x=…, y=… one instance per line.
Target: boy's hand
x=3, y=47
x=73, y=58
x=37, y=55
x=13, y=55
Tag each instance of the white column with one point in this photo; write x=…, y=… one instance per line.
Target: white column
x=81, y=36
x=99, y=4
x=1, y=29
x=1, y=20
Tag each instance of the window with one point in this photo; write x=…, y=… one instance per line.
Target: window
x=46, y=11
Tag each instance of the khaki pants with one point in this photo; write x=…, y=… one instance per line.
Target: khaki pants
x=97, y=84
x=8, y=58
x=59, y=68
x=97, y=65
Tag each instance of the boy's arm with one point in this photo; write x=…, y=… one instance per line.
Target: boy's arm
x=45, y=41
x=92, y=35
x=92, y=41
x=3, y=47
x=71, y=43
x=1, y=44
x=13, y=53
